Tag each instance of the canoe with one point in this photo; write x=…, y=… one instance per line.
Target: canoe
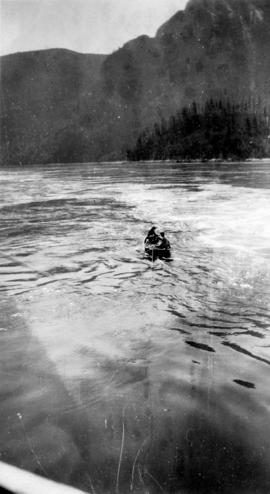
x=156, y=253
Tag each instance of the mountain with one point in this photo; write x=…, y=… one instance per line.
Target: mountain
x=44, y=98
x=61, y=106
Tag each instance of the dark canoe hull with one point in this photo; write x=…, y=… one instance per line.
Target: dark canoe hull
x=156, y=253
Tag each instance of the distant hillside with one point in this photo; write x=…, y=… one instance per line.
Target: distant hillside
x=60, y=106
x=44, y=97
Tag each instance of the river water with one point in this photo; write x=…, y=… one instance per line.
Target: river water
x=121, y=375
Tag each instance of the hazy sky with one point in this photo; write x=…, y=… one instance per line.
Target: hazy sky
x=91, y=26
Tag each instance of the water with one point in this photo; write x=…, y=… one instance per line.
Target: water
x=121, y=375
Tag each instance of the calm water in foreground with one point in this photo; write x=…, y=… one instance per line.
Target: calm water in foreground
x=120, y=375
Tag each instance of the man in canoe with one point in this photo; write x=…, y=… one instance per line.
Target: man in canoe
x=157, y=246
x=152, y=238
x=164, y=244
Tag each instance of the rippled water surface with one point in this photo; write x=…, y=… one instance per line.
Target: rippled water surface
x=121, y=375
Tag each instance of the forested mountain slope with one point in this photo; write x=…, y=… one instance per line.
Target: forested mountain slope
x=60, y=106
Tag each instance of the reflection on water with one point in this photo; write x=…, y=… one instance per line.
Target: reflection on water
x=122, y=375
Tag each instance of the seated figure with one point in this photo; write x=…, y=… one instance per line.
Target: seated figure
x=152, y=237
x=164, y=244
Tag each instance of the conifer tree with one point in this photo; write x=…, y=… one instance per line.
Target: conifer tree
x=223, y=130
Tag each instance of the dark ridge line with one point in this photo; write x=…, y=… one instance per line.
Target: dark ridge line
x=220, y=311
x=255, y=334
x=245, y=384
x=222, y=320
x=22, y=280
x=200, y=346
x=56, y=50
x=258, y=323
x=88, y=280
x=217, y=333
x=10, y=273
x=182, y=331
x=49, y=282
x=175, y=313
x=207, y=326
x=245, y=352
x=250, y=332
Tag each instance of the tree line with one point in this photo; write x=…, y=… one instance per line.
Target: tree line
x=216, y=130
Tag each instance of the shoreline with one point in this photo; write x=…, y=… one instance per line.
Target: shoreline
x=127, y=162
